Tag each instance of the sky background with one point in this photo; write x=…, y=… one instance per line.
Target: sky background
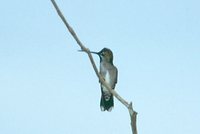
x=47, y=87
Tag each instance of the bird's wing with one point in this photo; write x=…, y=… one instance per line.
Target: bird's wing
x=115, y=75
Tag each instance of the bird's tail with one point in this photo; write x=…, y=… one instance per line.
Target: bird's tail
x=107, y=102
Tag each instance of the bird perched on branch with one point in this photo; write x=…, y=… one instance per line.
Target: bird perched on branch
x=109, y=72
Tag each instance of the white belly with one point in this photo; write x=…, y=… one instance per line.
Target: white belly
x=107, y=79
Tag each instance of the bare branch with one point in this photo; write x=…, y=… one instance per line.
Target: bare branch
x=133, y=114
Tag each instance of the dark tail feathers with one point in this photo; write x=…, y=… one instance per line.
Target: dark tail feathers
x=106, y=105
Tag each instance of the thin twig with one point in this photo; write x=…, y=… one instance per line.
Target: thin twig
x=133, y=114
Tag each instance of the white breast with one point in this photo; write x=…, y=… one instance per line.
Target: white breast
x=107, y=79
x=106, y=75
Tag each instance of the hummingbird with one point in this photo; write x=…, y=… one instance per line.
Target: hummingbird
x=109, y=72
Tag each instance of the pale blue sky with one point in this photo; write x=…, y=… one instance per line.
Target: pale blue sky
x=47, y=87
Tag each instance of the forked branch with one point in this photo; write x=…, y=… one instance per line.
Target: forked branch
x=133, y=114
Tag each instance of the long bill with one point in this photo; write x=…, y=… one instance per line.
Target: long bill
x=94, y=52
x=90, y=52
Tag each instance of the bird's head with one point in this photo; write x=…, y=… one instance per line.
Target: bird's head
x=105, y=55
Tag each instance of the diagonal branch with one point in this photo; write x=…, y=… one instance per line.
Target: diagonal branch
x=133, y=114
